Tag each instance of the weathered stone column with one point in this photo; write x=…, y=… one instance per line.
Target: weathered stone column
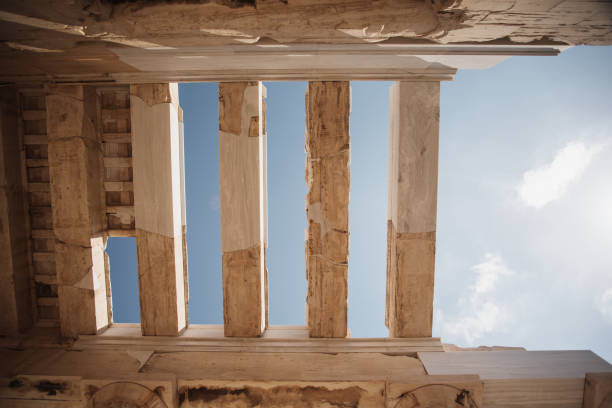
x=242, y=172
x=328, y=179
x=413, y=187
x=183, y=210
x=158, y=208
x=76, y=175
x=15, y=290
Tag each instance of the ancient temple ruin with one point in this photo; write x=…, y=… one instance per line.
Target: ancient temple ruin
x=91, y=147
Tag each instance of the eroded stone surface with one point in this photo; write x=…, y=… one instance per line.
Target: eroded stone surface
x=153, y=94
x=125, y=394
x=242, y=169
x=328, y=181
x=161, y=313
x=77, y=38
x=437, y=391
x=156, y=156
x=242, y=296
x=411, y=285
x=75, y=167
x=223, y=22
x=294, y=366
x=278, y=394
x=413, y=182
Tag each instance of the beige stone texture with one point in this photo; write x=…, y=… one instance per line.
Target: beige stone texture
x=415, y=121
x=75, y=167
x=183, y=208
x=185, y=273
x=328, y=182
x=280, y=393
x=312, y=379
x=413, y=187
x=253, y=366
x=234, y=22
x=115, y=129
x=411, y=285
x=527, y=378
x=161, y=311
x=85, y=39
x=437, y=391
x=241, y=167
x=155, y=158
x=153, y=94
x=242, y=187
x=598, y=390
x=242, y=296
x=133, y=392
x=158, y=209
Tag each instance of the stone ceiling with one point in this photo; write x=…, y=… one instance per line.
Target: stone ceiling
x=77, y=37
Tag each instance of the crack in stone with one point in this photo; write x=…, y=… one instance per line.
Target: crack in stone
x=320, y=256
x=69, y=244
x=330, y=155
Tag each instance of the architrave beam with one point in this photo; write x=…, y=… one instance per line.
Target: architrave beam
x=158, y=208
x=242, y=173
x=413, y=187
x=327, y=201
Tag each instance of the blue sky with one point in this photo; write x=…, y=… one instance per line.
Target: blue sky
x=524, y=251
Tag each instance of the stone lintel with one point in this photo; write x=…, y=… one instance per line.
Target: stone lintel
x=327, y=201
x=158, y=208
x=413, y=186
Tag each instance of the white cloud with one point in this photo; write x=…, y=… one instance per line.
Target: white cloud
x=486, y=318
x=479, y=312
x=489, y=272
x=549, y=182
x=605, y=305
